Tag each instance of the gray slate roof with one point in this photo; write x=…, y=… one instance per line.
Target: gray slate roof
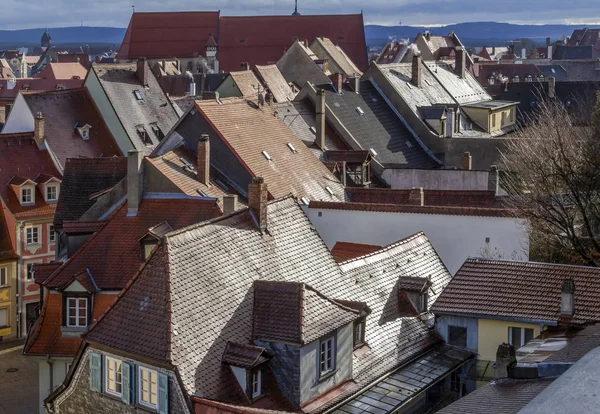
x=297, y=66
x=378, y=128
x=463, y=91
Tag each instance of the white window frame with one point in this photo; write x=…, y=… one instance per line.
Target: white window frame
x=118, y=375
x=510, y=339
x=48, y=188
x=326, y=365
x=77, y=315
x=31, y=195
x=141, y=387
x=423, y=302
x=37, y=238
x=256, y=383
x=3, y=276
x=51, y=234
x=27, y=273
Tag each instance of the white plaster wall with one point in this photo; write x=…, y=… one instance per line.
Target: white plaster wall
x=20, y=118
x=403, y=179
x=455, y=238
x=59, y=373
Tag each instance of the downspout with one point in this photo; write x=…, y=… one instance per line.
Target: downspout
x=19, y=277
x=51, y=370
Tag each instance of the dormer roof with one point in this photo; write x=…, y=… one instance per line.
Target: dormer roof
x=85, y=279
x=46, y=178
x=19, y=180
x=244, y=355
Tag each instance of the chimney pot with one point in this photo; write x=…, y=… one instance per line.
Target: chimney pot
x=229, y=203
x=467, y=161
x=203, y=159
x=461, y=61
x=357, y=84
x=143, y=71
x=320, y=119
x=134, y=181
x=257, y=201
x=505, y=360
x=417, y=70
x=417, y=197
x=39, y=130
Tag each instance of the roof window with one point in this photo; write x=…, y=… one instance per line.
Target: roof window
x=157, y=131
x=141, y=130
x=360, y=111
x=138, y=95
x=329, y=190
x=313, y=130
x=372, y=152
x=291, y=147
x=267, y=156
x=304, y=201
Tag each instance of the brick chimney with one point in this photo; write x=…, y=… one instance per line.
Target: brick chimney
x=505, y=360
x=229, y=203
x=467, y=161
x=416, y=197
x=203, y=159
x=552, y=87
x=417, y=70
x=356, y=84
x=39, y=130
x=461, y=62
x=338, y=81
x=143, y=72
x=257, y=201
x=134, y=181
x=320, y=119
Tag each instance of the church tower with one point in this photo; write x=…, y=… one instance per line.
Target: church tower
x=46, y=40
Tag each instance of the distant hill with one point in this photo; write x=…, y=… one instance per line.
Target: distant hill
x=472, y=34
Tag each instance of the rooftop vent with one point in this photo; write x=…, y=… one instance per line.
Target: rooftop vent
x=313, y=130
x=409, y=144
x=267, y=156
x=188, y=165
x=304, y=201
x=138, y=95
x=330, y=191
x=372, y=152
x=360, y=111
x=291, y=147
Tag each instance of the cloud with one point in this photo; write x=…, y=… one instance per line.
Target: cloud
x=18, y=14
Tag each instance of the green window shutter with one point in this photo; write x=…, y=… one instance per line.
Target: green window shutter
x=163, y=393
x=126, y=382
x=95, y=371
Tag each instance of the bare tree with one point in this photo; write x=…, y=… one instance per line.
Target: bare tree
x=553, y=175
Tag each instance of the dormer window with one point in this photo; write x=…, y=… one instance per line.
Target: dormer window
x=51, y=192
x=516, y=79
x=491, y=80
x=157, y=131
x=27, y=195
x=77, y=312
x=84, y=131
x=150, y=240
x=327, y=356
x=528, y=78
x=247, y=363
x=141, y=130
x=423, y=302
x=359, y=332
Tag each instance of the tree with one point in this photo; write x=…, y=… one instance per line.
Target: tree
x=553, y=176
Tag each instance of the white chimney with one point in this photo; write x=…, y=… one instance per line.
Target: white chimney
x=523, y=53
x=550, y=52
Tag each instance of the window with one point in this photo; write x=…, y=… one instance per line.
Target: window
x=512, y=115
x=3, y=317
x=256, y=383
x=32, y=235
x=26, y=195
x=359, y=332
x=51, y=234
x=516, y=79
x=423, y=302
x=113, y=378
x=518, y=337
x=51, y=193
x=141, y=130
x=493, y=120
x=457, y=336
x=138, y=95
x=3, y=276
x=148, y=387
x=77, y=312
x=30, y=271
x=157, y=131
x=528, y=78
x=491, y=80
x=326, y=356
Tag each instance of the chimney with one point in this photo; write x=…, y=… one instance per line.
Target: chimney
x=229, y=203
x=356, y=84
x=461, y=61
x=505, y=360
x=338, y=81
x=39, y=130
x=257, y=201
x=567, y=299
x=549, y=52
x=203, y=159
x=551, y=87
x=494, y=179
x=143, y=71
x=416, y=197
x=134, y=181
x=245, y=66
x=325, y=65
x=320, y=120
x=417, y=69
x=467, y=161
x=523, y=53
x=548, y=41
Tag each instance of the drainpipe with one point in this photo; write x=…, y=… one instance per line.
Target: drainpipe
x=51, y=370
x=19, y=277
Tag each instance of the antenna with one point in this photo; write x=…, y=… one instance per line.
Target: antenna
x=295, y=13
x=133, y=8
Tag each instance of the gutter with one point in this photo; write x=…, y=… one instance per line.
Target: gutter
x=500, y=318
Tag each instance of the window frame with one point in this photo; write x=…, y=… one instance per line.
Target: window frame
x=4, y=275
x=423, y=302
x=106, y=370
x=77, y=309
x=139, y=386
x=51, y=187
x=466, y=330
x=27, y=272
x=37, y=237
x=51, y=234
x=7, y=317
x=31, y=196
x=493, y=120
x=523, y=329
x=257, y=373
x=331, y=366
x=359, y=324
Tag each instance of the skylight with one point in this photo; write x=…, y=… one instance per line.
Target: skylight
x=291, y=147
x=313, y=130
x=266, y=155
x=138, y=95
x=329, y=190
x=373, y=152
x=360, y=111
x=304, y=201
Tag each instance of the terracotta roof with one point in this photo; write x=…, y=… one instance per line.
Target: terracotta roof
x=120, y=82
x=336, y=56
x=298, y=65
x=502, y=397
x=531, y=291
x=243, y=355
x=81, y=227
x=168, y=34
x=7, y=235
x=63, y=112
x=455, y=198
x=247, y=82
x=61, y=71
x=79, y=57
x=35, y=84
x=244, y=39
x=249, y=132
x=295, y=313
x=392, y=53
x=343, y=251
x=118, y=240
x=204, y=263
x=43, y=270
x=274, y=80
x=82, y=178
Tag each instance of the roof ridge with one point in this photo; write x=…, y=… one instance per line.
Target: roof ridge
x=530, y=262
x=389, y=247
x=333, y=301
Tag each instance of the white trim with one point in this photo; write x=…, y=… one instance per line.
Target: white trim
x=328, y=362
x=510, y=339
x=38, y=227
x=107, y=361
x=56, y=192
x=140, y=386
x=77, y=315
x=4, y=269
x=258, y=374
x=31, y=197
x=50, y=233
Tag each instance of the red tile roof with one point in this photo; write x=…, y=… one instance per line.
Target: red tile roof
x=61, y=71
x=63, y=110
x=527, y=290
x=343, y=251
x=43, y=270
x=165, y=35
x=81, y=227
x=36, y=84
x=457, y=198
x=261, y=40
x=7, y=235
x=113, y=254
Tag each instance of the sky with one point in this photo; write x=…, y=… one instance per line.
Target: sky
x=19, y=14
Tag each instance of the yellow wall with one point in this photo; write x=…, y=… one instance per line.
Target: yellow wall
x=493, y=332
x=8, y=300
x=508, y=121
x=484, y=118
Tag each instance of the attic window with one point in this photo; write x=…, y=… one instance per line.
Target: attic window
x=291, y=147
x=157, y=131
x=84, y=131
x=516, y=79
x=359, y=332
x=267, y=156
x=360, y=111
x=138, y=95
x=528, y=78
x=141, y=130
x=423, y=302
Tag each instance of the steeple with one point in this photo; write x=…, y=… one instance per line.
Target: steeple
x=46, y=40
x=295, y=13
